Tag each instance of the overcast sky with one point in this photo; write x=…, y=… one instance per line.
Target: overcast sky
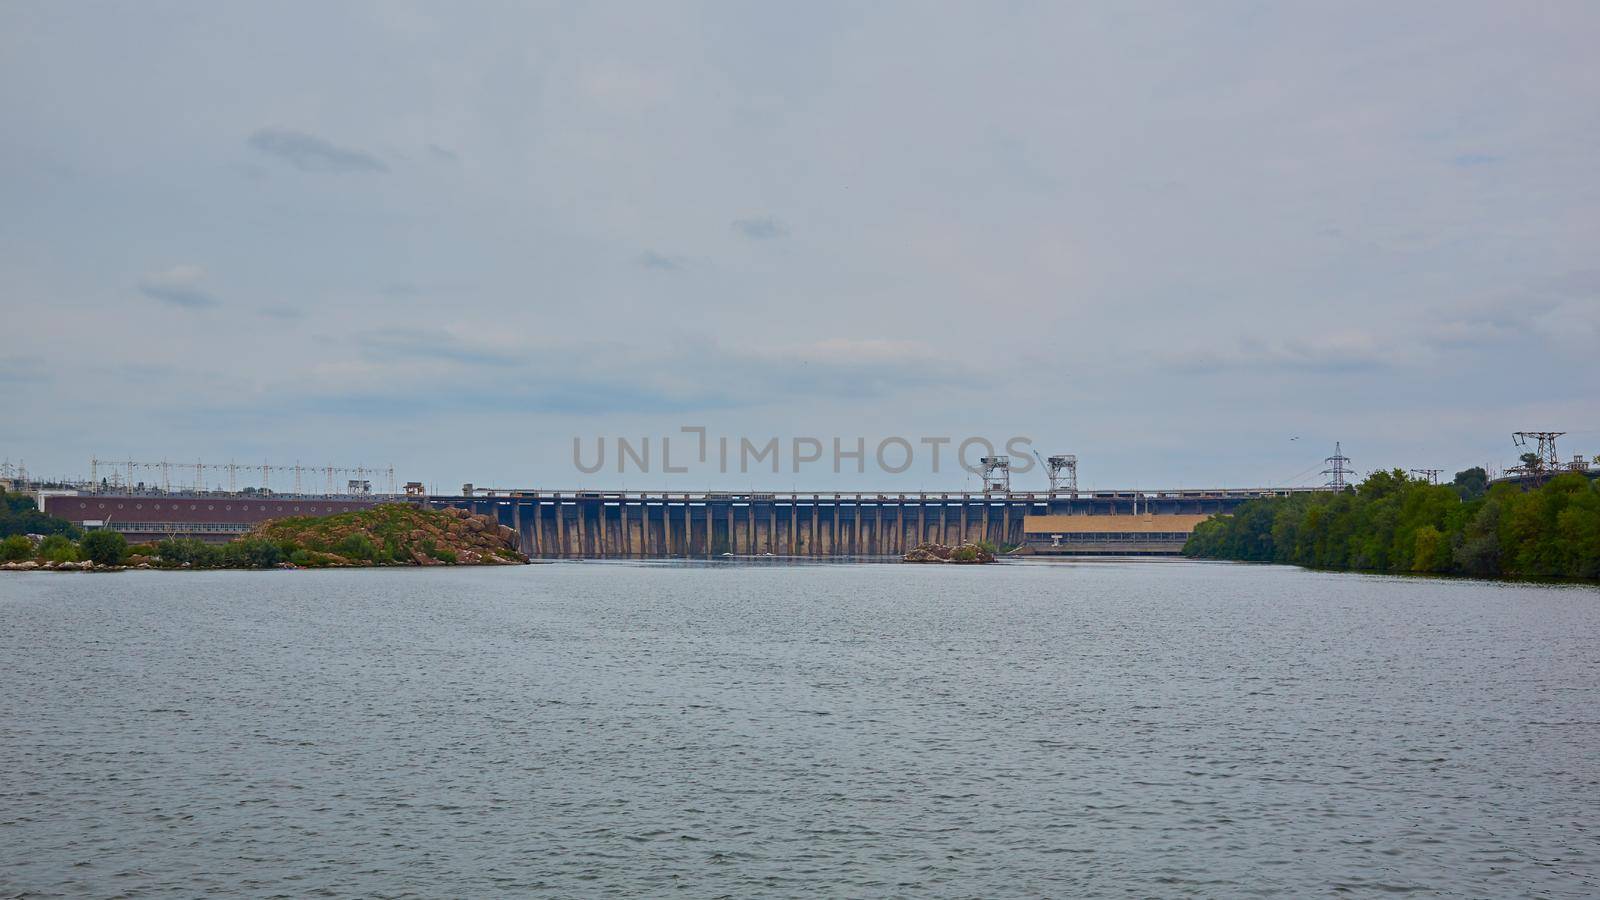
x=1191, y=243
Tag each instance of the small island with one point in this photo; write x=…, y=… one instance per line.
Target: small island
x=393, y=534
x=978, y=553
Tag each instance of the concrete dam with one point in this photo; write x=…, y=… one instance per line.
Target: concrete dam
x=706, y=525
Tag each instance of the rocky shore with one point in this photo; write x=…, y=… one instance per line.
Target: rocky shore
x=942, y=553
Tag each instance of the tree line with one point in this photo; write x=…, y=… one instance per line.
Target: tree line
x=1393, y=523
x=19, y=514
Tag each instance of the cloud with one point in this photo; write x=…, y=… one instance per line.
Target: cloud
x=310, y=153
x=405, y=290
x=179, y=286
x=402, y=369
x=402, y=344
x=762, y=229
x=1561, y=310
x=280, y=312
x=576, y=395
x=19, y=370
x=1343, y=352
x=443, y=154
x=848, y=368
x=653, y=260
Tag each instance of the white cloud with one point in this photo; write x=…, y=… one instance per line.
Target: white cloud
x=179, y=285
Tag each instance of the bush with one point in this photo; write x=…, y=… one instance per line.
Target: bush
x=16, y=548
x=356, y=547
x=188, y=551
x=445, y=556
x=104, y=548
x=58, y=548
x=252, y=553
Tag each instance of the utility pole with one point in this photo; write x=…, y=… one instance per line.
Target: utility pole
x=1431, y=475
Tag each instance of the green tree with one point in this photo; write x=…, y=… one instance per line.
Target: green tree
x=1393, y=523
x=19, y=514
x=104, y=548
x=1471, y=483
x=1427, y=543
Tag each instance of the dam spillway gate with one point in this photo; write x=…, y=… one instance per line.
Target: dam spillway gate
x=707, y=525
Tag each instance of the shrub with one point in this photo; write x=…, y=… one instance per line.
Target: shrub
x=58, y=548
x=446, y=556
x=252, y=553
x=188, y=551
x=15, y=548
x=357, y=547
x=104, y=548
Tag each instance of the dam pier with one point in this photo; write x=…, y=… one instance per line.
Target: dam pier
x=597, y=524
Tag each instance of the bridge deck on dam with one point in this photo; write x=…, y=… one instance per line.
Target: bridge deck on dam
x=599, y=524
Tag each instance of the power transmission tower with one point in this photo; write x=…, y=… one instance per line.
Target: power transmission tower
x=1432, y=475
x=1338, y=469
x=1546, y=459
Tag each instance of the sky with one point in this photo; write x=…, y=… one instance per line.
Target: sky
x=1193, y=244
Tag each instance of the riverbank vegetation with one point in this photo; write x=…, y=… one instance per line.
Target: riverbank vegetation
x=1392, y=523
x=19, y=515
x=395, y=534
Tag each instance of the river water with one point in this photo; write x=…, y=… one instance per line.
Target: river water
x=1127, y=729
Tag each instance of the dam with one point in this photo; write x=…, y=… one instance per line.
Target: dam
x=598, y=524
x=602, y=524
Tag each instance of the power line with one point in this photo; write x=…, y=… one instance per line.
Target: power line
x=123, y=474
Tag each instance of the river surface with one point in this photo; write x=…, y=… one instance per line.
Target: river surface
x=1119, y=729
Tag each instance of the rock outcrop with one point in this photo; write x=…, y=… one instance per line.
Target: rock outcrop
x=394, y=534
x=941, y=553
